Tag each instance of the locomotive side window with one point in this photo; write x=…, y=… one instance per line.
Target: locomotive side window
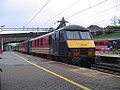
x=61, y=36
x=57, y=35
x=53, y=37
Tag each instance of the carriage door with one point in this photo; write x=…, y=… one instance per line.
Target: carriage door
x=29, y=46
x=62, y=44
x=55, y=42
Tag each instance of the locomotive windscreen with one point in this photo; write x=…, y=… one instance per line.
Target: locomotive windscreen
x=78, y=35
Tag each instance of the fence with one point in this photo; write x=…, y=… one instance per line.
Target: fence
x=109, y=52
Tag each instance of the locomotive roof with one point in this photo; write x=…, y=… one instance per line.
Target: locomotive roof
x=75, y=27
x=70, y=27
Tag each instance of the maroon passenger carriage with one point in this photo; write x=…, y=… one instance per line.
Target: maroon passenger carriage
x=40, y=45
x=107, y=44
x=101, y=44
x=21, y=47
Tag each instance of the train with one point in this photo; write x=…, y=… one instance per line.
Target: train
x=107, y=44
x=101, y=45
x=70, y=44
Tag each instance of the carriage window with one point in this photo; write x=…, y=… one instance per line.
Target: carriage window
x=35, y=43
x=85, y=35
x=72, y=34
x=96, y=43
x=105, y=43
x=41, y=41
x=38, y=42
x=101, y=43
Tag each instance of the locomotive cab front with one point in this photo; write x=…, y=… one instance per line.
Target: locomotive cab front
x=80, y=43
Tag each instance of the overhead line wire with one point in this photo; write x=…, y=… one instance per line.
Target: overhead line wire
x=102, y=11
x=38, y=12
x=86, y=9
x=98, y=22
x=64, y=10
x=101, y=21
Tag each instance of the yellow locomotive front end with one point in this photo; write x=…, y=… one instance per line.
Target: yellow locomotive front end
x=81, y=48
x=80, y=44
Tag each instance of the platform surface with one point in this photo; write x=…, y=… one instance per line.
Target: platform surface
x=26, y=72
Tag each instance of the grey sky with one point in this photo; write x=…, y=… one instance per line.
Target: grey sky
x=17, y=13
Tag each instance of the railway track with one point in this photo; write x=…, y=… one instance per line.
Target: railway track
x=103, y=67
x=112, y=67
x=109, y=68
x=108, y=64
x=106, y=67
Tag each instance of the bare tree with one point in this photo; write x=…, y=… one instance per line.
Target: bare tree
x=115, y=20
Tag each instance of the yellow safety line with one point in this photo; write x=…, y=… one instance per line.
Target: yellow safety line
x=66, y=79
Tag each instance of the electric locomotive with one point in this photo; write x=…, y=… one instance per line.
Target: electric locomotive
x=71, y=44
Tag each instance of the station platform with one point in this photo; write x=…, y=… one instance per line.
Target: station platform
x=26, y=72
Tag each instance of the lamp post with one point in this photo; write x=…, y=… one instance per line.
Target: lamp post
x=1, y=39
x=2, y=27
